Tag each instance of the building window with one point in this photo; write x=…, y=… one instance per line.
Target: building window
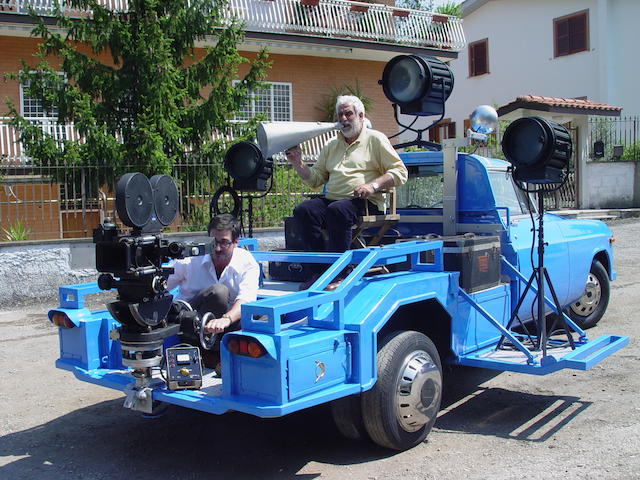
x=571, y=33
x=34, y=112
x=479, y=58
x=32, y=108
x=445, y=129
x=273, y=102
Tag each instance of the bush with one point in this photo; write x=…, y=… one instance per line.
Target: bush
x=631, y=153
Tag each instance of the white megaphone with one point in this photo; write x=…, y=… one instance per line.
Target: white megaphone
x=274, y=137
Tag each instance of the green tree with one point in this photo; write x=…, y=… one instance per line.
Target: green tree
x=141, y=96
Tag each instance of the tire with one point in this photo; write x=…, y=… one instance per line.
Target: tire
x=590, y=308
x=347, y=415
x=401, y=408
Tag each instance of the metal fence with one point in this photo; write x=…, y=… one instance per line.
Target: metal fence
x=614, y=139
x=46, y=201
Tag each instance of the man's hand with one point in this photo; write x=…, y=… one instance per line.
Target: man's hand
x=294, y=156
x=217, y=325
x=364, y=191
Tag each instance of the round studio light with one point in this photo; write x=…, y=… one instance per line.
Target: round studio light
x=418, y=84
x=539, y=149
x=247, y=166
x=405, y=79
x=243, y=160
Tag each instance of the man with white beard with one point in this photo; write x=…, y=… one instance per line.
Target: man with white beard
x=355, y=166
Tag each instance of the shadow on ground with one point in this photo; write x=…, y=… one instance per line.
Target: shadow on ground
x=468, y=407
x=105, y=441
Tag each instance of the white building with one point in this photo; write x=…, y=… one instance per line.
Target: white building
x=569, y=48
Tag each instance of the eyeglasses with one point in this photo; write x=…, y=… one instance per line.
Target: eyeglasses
x=221, y=243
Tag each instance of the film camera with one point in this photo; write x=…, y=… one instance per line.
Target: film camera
x=133, y=265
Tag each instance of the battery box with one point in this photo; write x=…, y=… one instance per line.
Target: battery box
x=184, y=368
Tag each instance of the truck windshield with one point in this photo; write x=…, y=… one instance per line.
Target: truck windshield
x=507, y=194
x=424, y=188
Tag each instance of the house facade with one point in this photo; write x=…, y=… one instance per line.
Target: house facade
x=314, y=45
x=570, y=49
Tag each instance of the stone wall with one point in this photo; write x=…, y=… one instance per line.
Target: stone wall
x=612, y=185
x=31, y=272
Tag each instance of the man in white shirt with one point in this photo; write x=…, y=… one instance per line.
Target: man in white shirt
x=220, y=282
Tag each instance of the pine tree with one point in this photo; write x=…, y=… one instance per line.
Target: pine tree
x=145, y=108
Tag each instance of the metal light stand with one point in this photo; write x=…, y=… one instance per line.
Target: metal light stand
x=539, y=274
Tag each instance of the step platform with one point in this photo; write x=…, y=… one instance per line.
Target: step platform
x=560, y=356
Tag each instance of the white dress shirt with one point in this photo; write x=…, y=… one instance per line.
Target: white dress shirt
x=241, y=276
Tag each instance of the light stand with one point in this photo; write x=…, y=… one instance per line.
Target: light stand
x=539, y=275
x=539, y=151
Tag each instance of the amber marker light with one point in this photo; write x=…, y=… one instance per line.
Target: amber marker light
x=612, y=239
x=61, y=320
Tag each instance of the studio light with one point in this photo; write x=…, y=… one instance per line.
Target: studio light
x=418, y=84
x=247, y=166
x=538, y=149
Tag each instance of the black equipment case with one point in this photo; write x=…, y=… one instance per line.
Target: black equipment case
x=290, y=271
x=477, y=258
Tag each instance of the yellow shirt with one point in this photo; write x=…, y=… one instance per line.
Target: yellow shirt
x=343, y=167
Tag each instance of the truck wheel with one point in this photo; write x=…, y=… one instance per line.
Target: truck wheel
x=590, y=308
x=399, y=411
x=347, y=415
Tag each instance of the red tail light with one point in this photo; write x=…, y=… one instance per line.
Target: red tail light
x=255, y=350
x=245, y=346
x=61, y=320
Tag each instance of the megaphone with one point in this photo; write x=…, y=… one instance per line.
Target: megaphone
x=250, y=165
x=274, y=137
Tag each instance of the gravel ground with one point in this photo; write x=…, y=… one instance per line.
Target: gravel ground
x=568, y=425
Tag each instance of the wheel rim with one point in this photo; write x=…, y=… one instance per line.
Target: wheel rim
x=417, y=391
x=590, y=298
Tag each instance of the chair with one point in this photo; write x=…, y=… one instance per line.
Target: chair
x=383, y=222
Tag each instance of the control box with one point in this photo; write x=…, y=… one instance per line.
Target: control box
x=184, y=368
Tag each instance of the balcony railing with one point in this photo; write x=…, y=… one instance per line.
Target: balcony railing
x=12, y=151
x=322, y=18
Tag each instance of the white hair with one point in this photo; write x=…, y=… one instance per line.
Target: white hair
x=352, y=100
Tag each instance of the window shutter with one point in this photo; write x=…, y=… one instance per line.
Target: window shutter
x=571, y=33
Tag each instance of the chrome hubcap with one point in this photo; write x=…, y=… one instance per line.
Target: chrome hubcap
x=590, y=298
x=418, y=391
